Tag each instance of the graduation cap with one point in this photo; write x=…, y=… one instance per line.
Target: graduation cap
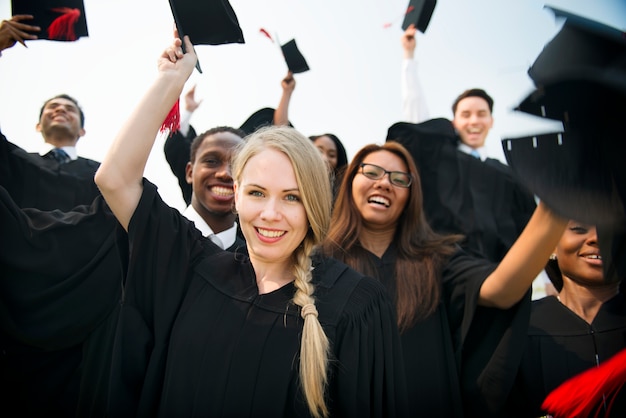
x=294, y=58
x=581, y=81
x=59, y=20
x=419, y=13
x=260, y=118
x=206, y=22
x=582, y=50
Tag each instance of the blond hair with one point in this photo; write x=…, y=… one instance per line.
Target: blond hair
x=312, y=177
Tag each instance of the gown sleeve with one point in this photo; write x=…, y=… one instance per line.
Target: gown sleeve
x=488, y=342
x=164, y=247
x=54, y=263
x=177, y=147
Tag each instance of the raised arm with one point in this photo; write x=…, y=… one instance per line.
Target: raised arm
x=121, y=172
x=522, y=264
x=414, y=108
x=281, y=114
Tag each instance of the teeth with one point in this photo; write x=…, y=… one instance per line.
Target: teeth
x=379, y=199
x=594, y=257
x=270, y=234
x=222, y=191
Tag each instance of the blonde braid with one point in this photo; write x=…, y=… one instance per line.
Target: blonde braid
x=314, y=346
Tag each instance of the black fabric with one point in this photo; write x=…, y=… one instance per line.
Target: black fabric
x=451, y=353
x=177, y=148
x=260, y=118
x=419, y=13
x=561, y=345
x=61, y=281
x=294, y=58
x=48, y=15
x=196, y=338
x=207, y=22
x=483, y=201
x=43, y=183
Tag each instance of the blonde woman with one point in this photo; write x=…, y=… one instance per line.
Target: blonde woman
x=279, y=332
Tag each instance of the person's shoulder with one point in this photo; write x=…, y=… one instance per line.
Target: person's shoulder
x=498, y=165
x=343, y=292
x=88, y=161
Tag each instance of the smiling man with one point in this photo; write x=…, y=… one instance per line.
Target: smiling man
x=473, y=120
x=212, y=198
x=56, y=177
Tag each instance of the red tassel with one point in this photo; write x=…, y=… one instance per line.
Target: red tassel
x=266, y=33
x=62, y=28
x=172, y=121
x=588, y=391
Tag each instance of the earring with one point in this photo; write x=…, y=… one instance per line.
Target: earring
x=552, y=256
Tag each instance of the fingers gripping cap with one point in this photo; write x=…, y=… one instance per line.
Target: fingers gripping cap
x=61, y=20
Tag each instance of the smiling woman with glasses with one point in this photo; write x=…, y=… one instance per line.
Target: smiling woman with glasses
x=397, y=178
x=379, y=228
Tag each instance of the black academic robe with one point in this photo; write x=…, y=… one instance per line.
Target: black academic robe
x=176, y=149
x=34, y=181
x=561, y=345
x=451, y=354
x=463, y=195
x=196, y=337
x=61, y=277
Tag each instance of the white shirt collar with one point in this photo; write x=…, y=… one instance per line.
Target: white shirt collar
x=468, y=150
x=46, y=148
x=227, y=237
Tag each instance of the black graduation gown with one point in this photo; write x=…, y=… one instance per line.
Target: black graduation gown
x=561, y=345
x=463, y=195
x=451, y=354
x=37, y=182
x=60, y=286
x=176, y=149
x=196, y=338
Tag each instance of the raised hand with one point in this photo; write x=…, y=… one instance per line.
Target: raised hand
x=13, y=30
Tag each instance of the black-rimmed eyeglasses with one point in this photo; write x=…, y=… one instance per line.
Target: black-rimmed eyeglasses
x=397, y=178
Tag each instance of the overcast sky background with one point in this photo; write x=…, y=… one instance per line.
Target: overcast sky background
x=352, y=89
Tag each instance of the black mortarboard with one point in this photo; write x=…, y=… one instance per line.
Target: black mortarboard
x=260, y=118
x=59, y=20
x=419, y=13
x=207, y=22
x=581, y=81
x=583, y=49
x=294, y=58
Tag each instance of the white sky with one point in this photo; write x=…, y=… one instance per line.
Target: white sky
x=352, y=89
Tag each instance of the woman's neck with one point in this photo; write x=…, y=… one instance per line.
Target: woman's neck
x=586, y=301
x=272, y=276
x=376, y=241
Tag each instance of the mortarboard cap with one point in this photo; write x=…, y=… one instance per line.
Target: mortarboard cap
x=294, y=58
x=581, y=80
x=419, y=13
x=259, y=119
x=59, y=20
x=207, y=22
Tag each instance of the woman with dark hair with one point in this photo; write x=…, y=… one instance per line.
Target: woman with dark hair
x=581, y=328
x=461, y=318
x=335, y=155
